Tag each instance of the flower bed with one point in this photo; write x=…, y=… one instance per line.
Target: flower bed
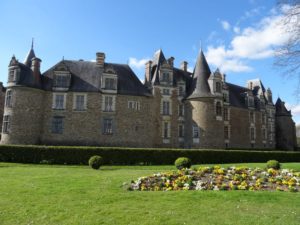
x=217, y=178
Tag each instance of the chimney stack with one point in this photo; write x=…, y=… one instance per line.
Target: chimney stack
x=183, y=66
x=171, y=61
x=35, y=67
x=148, y=67
x=100, y=59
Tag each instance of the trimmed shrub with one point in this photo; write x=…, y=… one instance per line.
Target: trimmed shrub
x=273, y=164
x=95, y=162
x=183, y=162
x=137, y=156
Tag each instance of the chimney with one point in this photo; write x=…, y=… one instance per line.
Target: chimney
x=224, y=77
x=35, y=67
x=148, y=66
x=100, y=59
x=250, y=85
x=183, y=66
x=171, y=61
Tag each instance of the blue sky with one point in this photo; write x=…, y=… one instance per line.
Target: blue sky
x=238, y=36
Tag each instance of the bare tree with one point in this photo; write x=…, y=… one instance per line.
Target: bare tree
x=288, y=54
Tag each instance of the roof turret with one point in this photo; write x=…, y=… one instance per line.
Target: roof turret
x=200, y=87
x=29, y=56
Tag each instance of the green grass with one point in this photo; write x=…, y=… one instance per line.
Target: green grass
x=44, y=194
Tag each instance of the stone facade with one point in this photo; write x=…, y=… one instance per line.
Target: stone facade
x=104, y=104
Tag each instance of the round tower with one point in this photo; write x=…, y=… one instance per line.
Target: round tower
x=206, y=110
x=23, y=105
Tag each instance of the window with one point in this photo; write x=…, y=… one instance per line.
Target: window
x=166, y=92
x=180, y=110
x=218, y=87
x=61, y=81
x=252, y=134
x=107, y=126
x=218, y=109
x=108, y=104
x=110, y=83
x=226, y=132
x=181, y=90
x=59, y=101
x=264, y=134
x=166, y=108
x=8, y=99
x=80, y=102
x=250, y=102
x=225, y=114
x=251, y=117
x=135, y=105
x=57, y=125
x=195, y=131
x=11, y=75
x=180, y=130
x=225, y=97
x=6, y=124
x=166, y=130
x=166, y=77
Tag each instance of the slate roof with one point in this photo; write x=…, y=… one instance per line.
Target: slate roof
x=29, y=57
x=281, y=110
x=85, y=77
x=200, y=87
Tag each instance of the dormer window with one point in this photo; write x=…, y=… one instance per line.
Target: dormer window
x=166, y=77
x=61, y=81
x=11, y=75
x=250, y=102
x=110, y=83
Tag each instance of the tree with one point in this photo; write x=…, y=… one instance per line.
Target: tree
x=287, y=56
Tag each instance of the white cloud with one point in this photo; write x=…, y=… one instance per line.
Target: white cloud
x=236, y=30
x=294, y=108
x=253, y=42
x=225, y=25
x=137, y=64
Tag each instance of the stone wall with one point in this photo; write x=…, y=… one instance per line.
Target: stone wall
x=26, y=116
x=285, y=133
x=131, y=127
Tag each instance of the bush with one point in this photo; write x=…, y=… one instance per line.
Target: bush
x=75, y=155
x=273, y=164
x=95, y=162
x=183, y=162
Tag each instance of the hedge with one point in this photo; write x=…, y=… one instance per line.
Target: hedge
x=134, y=156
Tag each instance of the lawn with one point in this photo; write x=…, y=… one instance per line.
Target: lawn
x=51, y=194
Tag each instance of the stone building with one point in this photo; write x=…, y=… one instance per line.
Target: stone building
x=102, y=103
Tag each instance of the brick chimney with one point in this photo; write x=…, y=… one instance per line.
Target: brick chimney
x=100, y=59
x=148, y=67
x=183, y=66
x=35, y=67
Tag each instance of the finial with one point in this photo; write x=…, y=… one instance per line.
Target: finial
x=200, y=42
x=32, y=43
x=63, y=58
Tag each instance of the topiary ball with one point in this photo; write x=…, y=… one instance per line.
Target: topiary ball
x=95, y=162
x=273, y=164
x=183, y=162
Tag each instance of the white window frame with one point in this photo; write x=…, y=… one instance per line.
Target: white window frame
x=6, y=124
x=54, y=103
x=8, y=98
x=103, y=83
x=75, y=103
x=135, y=105
x=106, y=101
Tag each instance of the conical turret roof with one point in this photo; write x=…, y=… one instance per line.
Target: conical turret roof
x=29, y=56
x=201, y=74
